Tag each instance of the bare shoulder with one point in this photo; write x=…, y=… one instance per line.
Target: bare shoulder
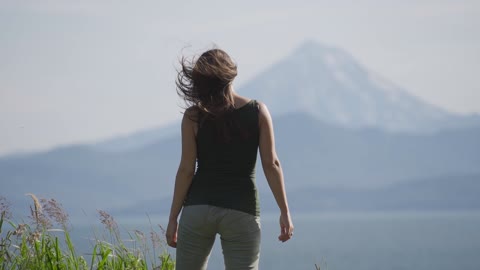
x=261, y=105
x=263, y=110
x=191, y=110
x=240, y=101
x=191, y=114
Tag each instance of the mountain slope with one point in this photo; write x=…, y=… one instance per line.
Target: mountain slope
x=333, y=123
x=443, y=193
x=137, y=139
x=313, y=155
x=331, y=85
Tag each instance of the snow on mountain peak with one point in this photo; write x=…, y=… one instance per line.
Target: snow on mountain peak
x=330, y=84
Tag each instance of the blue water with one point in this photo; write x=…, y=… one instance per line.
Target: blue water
x=359, y=241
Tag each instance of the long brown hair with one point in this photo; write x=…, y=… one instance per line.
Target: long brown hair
x=205, y=83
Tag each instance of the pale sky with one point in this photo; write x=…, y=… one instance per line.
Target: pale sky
x=83, y=71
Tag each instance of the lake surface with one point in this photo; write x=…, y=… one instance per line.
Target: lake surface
x=355, y=241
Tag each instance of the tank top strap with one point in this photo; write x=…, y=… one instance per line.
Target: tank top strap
x=255, y=105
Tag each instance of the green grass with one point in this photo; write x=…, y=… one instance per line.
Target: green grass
x=37, y=244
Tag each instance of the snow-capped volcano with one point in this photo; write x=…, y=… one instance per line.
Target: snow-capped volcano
x=331, y=85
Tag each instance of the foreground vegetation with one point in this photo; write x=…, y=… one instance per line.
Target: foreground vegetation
x=44, y=243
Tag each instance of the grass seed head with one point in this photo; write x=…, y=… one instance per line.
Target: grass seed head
x=108, y=220
x=55, y=211
x=37, y=213
x=21, y=228
x=5, y=208
x=155, y=238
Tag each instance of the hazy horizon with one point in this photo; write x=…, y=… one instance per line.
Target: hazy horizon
x=81, y=72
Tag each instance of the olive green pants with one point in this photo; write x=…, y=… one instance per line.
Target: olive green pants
x=198, y=227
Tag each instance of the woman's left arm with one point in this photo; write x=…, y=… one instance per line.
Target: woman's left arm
x=185, y=173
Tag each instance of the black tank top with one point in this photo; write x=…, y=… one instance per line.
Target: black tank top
x=225, y=174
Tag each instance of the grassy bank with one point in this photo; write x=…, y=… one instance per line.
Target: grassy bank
x=43, y=242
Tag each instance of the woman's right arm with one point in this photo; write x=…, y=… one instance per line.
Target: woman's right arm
x=183, y=180
x=273, y=171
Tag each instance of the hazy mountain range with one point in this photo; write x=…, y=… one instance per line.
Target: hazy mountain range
x=331, y=85
x=347, y=139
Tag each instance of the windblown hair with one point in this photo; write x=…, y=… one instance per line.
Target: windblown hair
x=205, y=83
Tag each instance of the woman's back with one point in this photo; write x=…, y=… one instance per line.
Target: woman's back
x=226, y=158
x=221, y=132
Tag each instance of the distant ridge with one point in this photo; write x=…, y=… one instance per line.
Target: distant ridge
x=444, y=193
x=330, y=84
x=137, y=139
x=339, y=131
x=314, y=155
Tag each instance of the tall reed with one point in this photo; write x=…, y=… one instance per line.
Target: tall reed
x=45, y=243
